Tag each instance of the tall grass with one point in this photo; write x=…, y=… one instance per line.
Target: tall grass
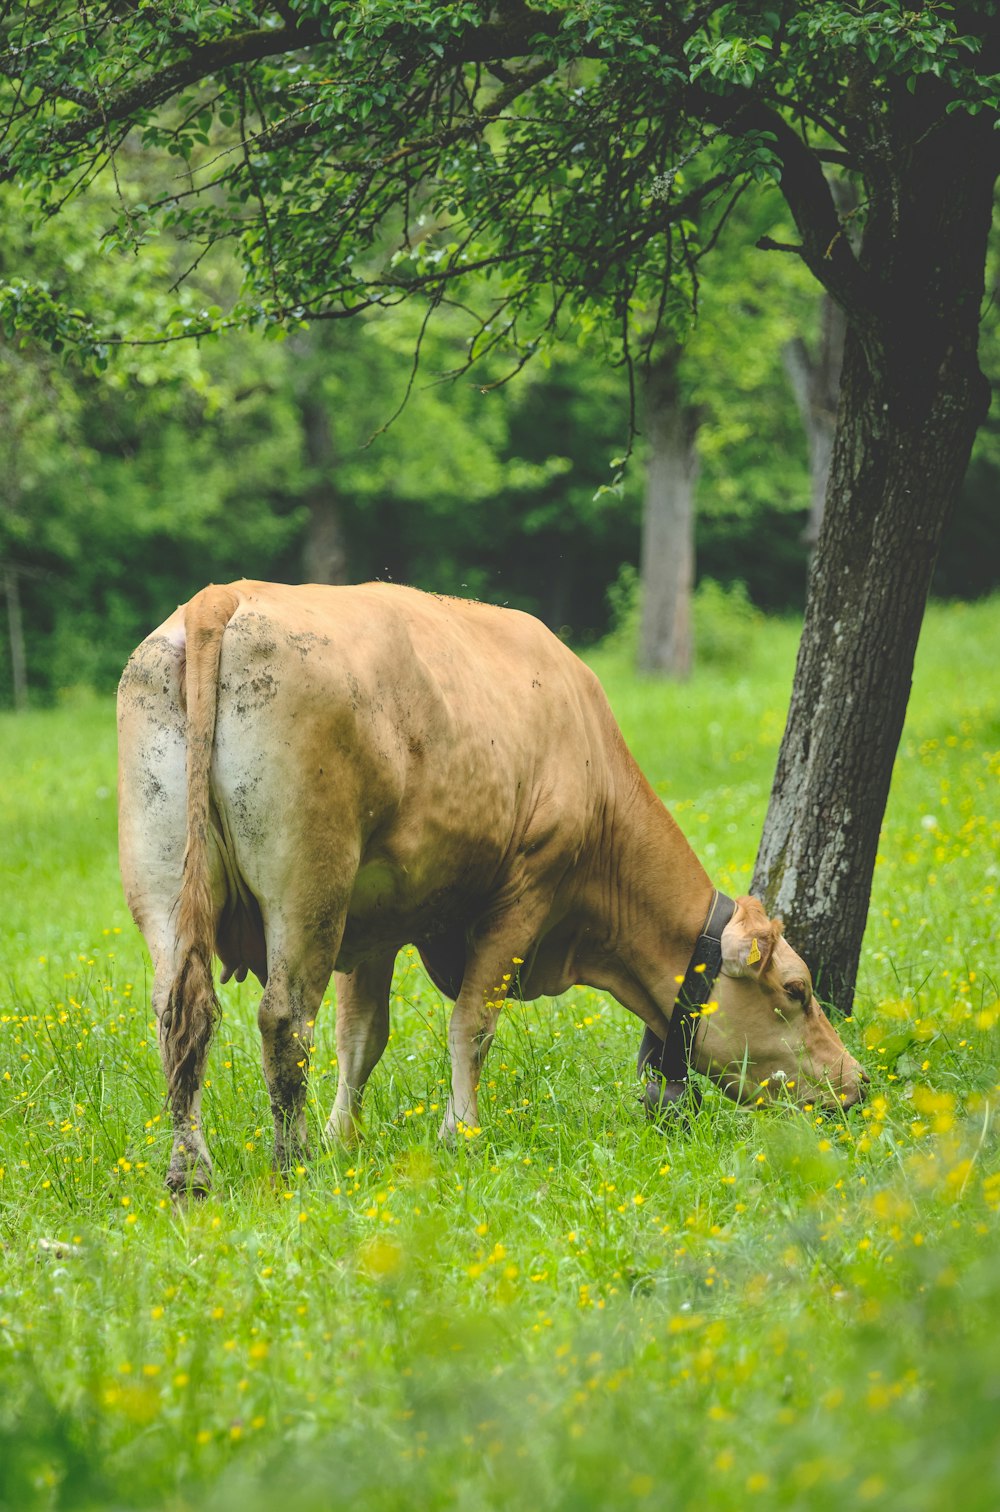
x=570, y=1310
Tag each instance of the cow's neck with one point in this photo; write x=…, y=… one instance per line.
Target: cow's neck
x=660, y=897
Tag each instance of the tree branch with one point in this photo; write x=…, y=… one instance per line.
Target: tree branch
x=512, y=28
x=210, y=58
x=768, y=244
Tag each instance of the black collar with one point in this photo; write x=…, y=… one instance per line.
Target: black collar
x=670, y=1060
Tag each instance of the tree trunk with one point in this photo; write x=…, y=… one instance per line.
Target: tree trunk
x=666, y=639
x=561, y=558
x=815, y=380
x=912, y=397
x=324, y=557
x=18, y=663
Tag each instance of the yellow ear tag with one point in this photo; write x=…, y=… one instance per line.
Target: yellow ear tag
x=754, y=955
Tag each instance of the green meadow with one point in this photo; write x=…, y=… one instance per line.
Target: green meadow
x=571, y=1310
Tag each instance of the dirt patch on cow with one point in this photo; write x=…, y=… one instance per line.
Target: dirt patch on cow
x=151, y=672
x=252, y=695
x=307, y=641
x=256, y=628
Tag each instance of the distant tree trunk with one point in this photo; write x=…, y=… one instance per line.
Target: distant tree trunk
x=666, y=638
x=324, y=554
x=912, y=397
x=562, y=575
x=324, y=557
x=18, y=663
x=815, y=380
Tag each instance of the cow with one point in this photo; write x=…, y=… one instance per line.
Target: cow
x=312, y=777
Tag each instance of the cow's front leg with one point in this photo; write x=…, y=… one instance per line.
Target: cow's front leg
x=489, y=978
x=286, y=1017
x=362, y=1033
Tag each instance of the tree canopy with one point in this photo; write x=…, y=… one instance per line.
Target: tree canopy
x=356, y=153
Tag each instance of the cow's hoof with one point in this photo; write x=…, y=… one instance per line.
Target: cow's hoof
x=343, y=1130
x=670, y=1104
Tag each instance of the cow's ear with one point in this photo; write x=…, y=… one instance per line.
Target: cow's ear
x=748, y=940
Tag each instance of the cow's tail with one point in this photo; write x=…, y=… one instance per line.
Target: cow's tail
x=192, y=1005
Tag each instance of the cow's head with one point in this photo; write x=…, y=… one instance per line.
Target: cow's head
x=768, y=1035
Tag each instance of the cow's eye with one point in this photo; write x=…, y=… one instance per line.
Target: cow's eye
x=798, y=991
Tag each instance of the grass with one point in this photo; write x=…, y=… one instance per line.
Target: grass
x=570, y=1311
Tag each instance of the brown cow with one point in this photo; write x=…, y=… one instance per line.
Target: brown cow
x=312, y=777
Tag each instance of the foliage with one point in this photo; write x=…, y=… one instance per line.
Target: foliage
x=128, y=501
x=130, y=496
x=355, y=154
x=812, y=1306
x=125, y=490
x=724, y=621
x=569, y=192
x=749, y=308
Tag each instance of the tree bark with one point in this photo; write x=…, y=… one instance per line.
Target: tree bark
x=666, y=636
x=912, y=397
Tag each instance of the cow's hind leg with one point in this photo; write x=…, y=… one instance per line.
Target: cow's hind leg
x=152, y=837
x=362, y=1032
x=299, y=971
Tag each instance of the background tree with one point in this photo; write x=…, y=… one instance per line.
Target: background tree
x=815, y=379
x=324, y=549
x=666, y=634
x=814, y=371
x=714, y=386
x=313, y=135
